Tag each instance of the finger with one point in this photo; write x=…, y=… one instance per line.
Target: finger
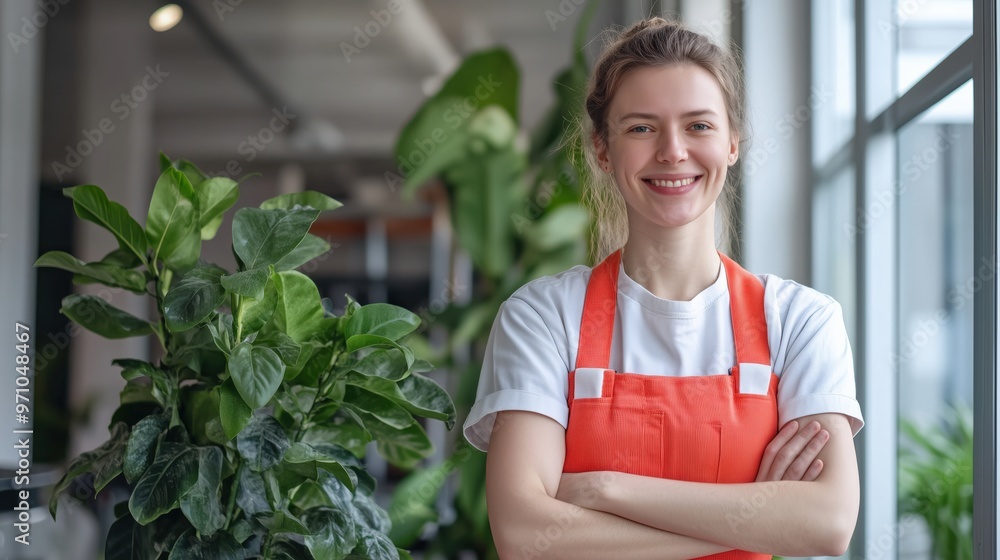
x=784, y=435
x=814, y=469
x=791, y=450
x=806, y=457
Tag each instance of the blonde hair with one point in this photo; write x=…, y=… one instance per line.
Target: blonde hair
x=650, y=42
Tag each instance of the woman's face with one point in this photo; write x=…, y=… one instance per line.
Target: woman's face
x=669, y=144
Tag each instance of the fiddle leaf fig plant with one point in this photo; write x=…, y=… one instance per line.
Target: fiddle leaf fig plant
x=246, y=438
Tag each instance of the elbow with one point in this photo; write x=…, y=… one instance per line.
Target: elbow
x=837, y=539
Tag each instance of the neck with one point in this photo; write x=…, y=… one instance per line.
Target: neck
x=673, y=263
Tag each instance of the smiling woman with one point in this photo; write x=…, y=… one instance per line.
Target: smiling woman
x=666, y=403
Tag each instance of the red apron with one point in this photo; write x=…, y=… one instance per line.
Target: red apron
x=704, y=428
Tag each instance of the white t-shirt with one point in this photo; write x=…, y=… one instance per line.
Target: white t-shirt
x=532, y=347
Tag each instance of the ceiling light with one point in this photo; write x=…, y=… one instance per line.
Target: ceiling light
x=166, y=17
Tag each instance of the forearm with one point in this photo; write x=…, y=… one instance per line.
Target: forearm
x=544, y=527
x=790, y=518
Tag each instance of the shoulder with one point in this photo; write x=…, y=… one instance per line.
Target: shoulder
x=802, y=321
x=555, y=294
x=792, y=300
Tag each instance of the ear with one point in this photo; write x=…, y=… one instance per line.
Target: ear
x=734, y=148
x=601, y=151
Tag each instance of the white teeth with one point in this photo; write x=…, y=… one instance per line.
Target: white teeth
x=673, y=184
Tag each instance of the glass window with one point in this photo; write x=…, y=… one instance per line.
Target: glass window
x=927, y=31
x=832, y=95
x=834, y=234
x=933, y=358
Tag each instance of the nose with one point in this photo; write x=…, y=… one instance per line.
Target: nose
x=672, y=148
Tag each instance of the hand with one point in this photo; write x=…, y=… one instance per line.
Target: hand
x=791, y=455
x=583, y=489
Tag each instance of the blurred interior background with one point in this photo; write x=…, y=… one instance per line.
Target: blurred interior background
x=859, y=181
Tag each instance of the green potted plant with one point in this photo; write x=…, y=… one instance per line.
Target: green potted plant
x=936, y=481
x=516, y=210
x=245, y=438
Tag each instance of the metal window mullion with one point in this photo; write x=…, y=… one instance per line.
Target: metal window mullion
x=985, y=518
x=876, y=305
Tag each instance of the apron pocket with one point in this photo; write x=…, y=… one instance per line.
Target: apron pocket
x=694, y=453
x=602, y=437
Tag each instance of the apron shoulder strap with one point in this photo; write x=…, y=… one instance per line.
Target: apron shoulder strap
x=598, y=323
x=746, y=305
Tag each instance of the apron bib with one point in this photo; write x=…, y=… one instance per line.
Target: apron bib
x=703, y=428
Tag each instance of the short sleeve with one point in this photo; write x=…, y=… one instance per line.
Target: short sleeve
x=818, y=372
x=522, y=370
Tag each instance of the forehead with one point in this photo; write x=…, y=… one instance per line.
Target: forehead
x=667, y=90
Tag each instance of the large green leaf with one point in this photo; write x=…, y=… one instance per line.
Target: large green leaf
x=307, y=458
x=404, y=448
x=222, y=547
x=417, y=394
x=333, y=533
x=373, y=545
x=359, y=341
x=99, y=316
x=92, y=204
x=264, y=237
x=214, y=197
x=141, y=447
x=434, y=140
x=358, y=505
x=485, y=190
x=127, y=540
x=282, y=521
x=248, y=283
x=194, y=298
x=107, y=274
x=299, y=312
x=382, y=319
x=387, y=363
x=282, y=344
x=172, y=474
x=566, y=224
x=285, y=549
x=339, y=431
x=437, y=132
x=172, y=225
x=262, y=443
x=105, y=463
x=378, y=406
x=234, y=413
x=308, y=249
x=413, y=499
x=311, y=199
x=201, y=504
x=252, y=494
x=256, y=371
x=256, y=312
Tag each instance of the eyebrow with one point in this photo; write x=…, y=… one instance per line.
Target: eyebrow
x=651, y=116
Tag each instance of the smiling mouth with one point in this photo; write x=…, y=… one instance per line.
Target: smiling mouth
x=671, y=184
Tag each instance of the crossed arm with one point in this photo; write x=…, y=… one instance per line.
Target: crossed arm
x=536, y=511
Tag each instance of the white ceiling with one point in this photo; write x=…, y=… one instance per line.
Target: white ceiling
x=206, y=109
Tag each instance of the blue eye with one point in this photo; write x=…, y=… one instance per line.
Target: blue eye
x=701, y=129
x=637, y=127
